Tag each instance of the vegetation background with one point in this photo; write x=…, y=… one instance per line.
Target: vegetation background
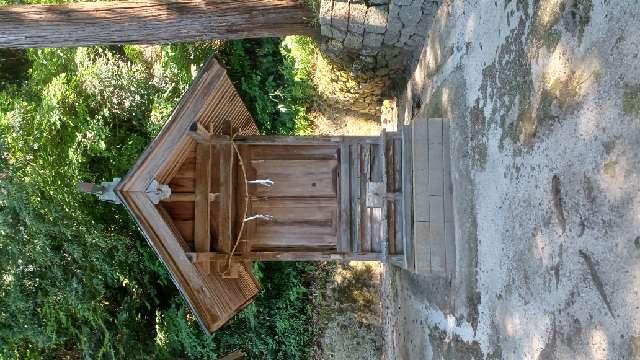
x=77, y=280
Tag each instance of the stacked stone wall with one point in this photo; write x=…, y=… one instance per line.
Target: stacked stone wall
x=374, y=40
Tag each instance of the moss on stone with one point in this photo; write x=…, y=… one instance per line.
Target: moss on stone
x=452, y=347
x=478, y=135
x=543, y=32
x=581, y=9
x=631, y=100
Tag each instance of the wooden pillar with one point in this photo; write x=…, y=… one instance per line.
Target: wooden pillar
x=149, y=22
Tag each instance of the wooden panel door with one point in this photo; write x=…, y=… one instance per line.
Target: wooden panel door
x=303, y=199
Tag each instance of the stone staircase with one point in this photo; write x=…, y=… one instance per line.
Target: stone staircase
x=421, y=224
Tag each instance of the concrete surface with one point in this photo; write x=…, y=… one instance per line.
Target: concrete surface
x=544, y=100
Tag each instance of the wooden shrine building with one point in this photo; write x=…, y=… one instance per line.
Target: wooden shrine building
x=211, y=195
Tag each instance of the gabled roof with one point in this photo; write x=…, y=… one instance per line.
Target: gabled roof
x=213, y=102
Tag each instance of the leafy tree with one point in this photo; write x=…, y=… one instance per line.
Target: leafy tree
x=77, y=280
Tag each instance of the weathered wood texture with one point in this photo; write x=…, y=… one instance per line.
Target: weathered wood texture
x=407, y=199
x=214, y=299
x=302, y=201
x=150, y=22
x=289, y=256
x=213, y=102
x=169, y=227
x=202, y=233
x=433, y=225
x=238, y=355
x=364, y=195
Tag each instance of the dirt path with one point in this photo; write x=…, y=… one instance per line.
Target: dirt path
x=545, y=106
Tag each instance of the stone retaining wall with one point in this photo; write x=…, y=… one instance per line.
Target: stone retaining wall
x=374, y=39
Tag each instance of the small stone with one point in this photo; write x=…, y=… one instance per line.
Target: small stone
x=404, y=2
x=425, y=22
x=410, y=15
x=382, y=70
x=339, y=35
x=357, y=14
x=414, y=41
x=391, y=37
x=372, y=40
x=368, y=51
x=376, y=21
x=326, y=6
x=326, y=30
x=332, y=47
x=404, y=37
x=353, y=41
x=339, y=15
x=378, y=2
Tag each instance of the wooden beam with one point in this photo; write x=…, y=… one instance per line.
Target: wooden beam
x=164, y=241
x=188, y=197
x=238, y=355
x=181, y=197
x=202, y=231
x=150, y=22
x=344, y=244
x=407, y=200
x=356, y=233
x=271, y=140
x=198, y=257
x=225, y=203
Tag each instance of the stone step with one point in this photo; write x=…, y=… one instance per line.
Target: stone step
x=428, y=226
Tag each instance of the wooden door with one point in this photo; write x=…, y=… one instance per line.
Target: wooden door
x=303, y=200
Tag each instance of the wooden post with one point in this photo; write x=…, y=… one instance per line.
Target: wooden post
x=150, y=22
x=237, y=355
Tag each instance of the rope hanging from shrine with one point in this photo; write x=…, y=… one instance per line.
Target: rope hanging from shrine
x=263, y=182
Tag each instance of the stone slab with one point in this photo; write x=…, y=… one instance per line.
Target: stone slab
x=376, y=21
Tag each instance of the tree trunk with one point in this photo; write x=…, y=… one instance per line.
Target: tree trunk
x=149, y=22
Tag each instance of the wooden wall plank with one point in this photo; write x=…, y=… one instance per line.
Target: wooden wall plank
x=225, y=205
x=436, y=236
x=290, y=256
x=436, y=165
x=316, y=152
x=376, y=163
x=344, y=244
x=202, y=233
x=249, y=227
x=308, y=178
x=420, y=167
x=397, y=165
x=384, y=222
x=397, y=204
x=449, y=224
x=297, y=223
x=421, y=249
x=365, y=222
x=407, y=199
x=377, y=229
x=356, y=218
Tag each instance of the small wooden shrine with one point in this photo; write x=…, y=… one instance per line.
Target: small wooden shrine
x=211, y=196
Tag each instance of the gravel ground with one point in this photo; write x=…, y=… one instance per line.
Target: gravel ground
x=544, y=101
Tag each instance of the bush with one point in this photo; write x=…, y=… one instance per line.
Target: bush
x=76, y=278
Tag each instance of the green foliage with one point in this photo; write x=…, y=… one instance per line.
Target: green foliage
x=275, y=94
x=76, y=278
x=13, y=67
